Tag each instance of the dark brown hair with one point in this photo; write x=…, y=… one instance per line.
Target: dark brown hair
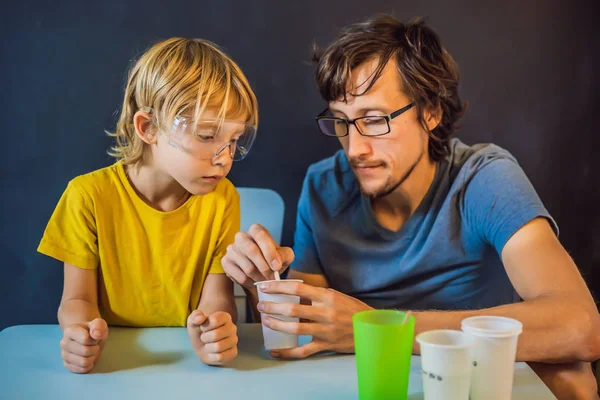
x=429, y=74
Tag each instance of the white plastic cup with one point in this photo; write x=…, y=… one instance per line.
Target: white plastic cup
x=275, y=340
x=446, y=364
x=494, y=355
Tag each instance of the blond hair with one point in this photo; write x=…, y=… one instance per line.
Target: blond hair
x=178, y=76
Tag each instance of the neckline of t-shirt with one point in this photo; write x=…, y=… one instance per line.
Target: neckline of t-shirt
x=138, y=200
x=407, y=231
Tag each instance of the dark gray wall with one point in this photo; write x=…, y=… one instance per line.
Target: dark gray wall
x=529, y=72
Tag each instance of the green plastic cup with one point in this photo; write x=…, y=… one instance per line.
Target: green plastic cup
x=383, y=347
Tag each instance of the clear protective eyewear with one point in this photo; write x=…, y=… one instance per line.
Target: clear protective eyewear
x=207, y=138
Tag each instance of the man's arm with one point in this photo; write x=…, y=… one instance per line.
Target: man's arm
x=559, y=317
x=568, y=381
x=560, y=320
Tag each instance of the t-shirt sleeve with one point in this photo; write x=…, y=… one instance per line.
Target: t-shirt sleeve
x=230, y=226
x=305, y=250
x=70, y=235
x=499, y=200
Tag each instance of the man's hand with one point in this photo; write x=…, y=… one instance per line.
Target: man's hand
x=330, y=317
x=82, y=345
x=254, y=256
x=214, y=338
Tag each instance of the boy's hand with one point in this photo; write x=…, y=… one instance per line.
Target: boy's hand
x=82, y=345
x=214, y=338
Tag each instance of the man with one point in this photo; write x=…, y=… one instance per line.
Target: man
x=406, y=218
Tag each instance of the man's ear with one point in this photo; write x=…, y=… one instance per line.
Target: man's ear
x=142, y=122
x=433, y=117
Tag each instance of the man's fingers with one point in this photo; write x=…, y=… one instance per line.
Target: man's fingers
x=98, y=329
x=230, y=263
x=268, y=250
x=236, y=274
x=295, y=328
x=72, y=346
x=76, y=369
x=250, y=248
x=79, y=333
x=215, y=321
x=287, y=256
x=307, y=312
x=222, y=345
x=257, y=255
x=299, y=352
x=250, y=261
x=303, y=290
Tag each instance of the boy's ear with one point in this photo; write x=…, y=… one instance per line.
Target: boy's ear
x=142, y=122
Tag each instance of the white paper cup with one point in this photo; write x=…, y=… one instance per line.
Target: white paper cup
x=494, y=355
x=278, y=340
x=446, y=364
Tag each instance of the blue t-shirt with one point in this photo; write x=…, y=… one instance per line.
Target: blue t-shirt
x=445, y=257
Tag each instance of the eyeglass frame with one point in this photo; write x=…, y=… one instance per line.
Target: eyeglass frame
x=348, y=122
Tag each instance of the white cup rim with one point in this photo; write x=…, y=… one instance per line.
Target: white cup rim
x=281, y=280
x=513, y=327
x=422, y=339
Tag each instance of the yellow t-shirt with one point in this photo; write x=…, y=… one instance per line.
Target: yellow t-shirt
x=152, y=264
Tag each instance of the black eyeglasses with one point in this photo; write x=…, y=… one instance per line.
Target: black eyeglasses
x=371, y=125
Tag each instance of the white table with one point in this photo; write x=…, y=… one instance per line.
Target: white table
x=159, y=363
